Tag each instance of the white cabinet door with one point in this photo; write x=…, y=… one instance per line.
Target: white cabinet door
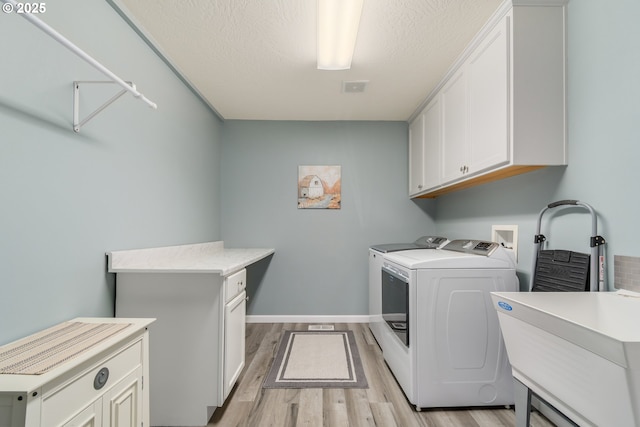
x=454, y=127
x=122, y=404
x=432, y=144
x=375, y=293
x=234, y=338
x=488, y=77
x=416, y=155
x=91, y=416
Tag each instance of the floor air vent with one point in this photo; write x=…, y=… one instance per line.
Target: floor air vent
x=321, y=327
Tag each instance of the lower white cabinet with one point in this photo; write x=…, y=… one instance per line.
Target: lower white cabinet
x=197, y=294
x=376, y=324
x=234, y=330
x=199, y=339
x=234, y=338
x=102, y=386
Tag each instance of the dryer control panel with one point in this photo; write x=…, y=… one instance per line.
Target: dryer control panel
x=476, y=247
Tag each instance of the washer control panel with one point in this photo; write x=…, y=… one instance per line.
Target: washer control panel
x=431, y=242
x=476, y=247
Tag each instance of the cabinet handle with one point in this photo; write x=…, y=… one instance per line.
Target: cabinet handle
x=101, y=378
x=419, y=186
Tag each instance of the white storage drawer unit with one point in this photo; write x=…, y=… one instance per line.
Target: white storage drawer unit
x=85, y=372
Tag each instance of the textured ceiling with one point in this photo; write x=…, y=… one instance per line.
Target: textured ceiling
x=255, y=59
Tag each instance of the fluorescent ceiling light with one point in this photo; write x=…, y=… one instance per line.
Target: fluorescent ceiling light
x=338, y=22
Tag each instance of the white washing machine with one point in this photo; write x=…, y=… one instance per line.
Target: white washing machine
x=441, y=336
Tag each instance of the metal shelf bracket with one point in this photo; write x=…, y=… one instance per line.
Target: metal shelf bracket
x=127, y=86
x=77, y=122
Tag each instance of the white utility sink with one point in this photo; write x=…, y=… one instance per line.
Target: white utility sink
x=579, y=351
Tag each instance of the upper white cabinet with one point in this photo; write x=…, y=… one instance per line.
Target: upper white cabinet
x=455, y=145
x=501, y=105
x=424, y=149
x=416, y=155
x=488, y=81
x=432, y=142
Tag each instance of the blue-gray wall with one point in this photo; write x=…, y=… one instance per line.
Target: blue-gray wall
x=320, y=264
x=133, y=177
x=604, y=148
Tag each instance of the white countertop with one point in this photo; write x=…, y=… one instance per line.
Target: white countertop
x=210, y=257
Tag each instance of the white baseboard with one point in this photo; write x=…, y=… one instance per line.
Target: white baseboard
x=364, y=318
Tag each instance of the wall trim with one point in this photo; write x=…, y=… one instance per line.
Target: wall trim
x=258, y=318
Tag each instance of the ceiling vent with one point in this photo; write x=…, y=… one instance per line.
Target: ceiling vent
x=354, y=86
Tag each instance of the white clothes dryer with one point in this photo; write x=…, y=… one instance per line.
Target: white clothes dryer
x=376, y=258
x=441, y=336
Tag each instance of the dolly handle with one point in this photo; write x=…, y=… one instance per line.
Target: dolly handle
x=561, y=203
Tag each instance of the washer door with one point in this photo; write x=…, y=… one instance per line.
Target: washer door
x=395, y=303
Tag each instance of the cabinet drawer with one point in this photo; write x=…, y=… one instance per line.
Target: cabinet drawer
x=64, y=402
x=234, y=284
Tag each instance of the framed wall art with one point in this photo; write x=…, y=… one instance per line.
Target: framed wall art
x=319, y=187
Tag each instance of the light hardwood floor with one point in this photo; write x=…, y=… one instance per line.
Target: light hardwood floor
x=383, y=404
